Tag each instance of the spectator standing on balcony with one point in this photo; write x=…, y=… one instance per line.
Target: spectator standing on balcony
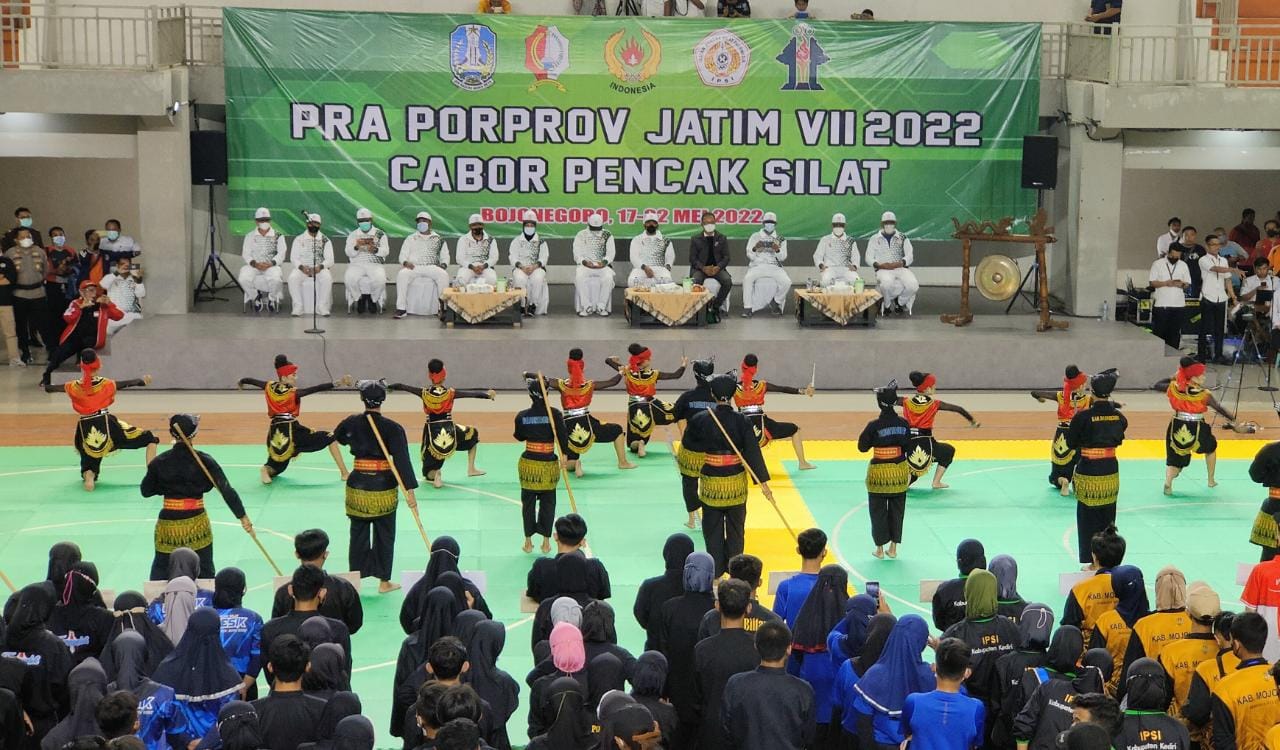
x=22, y=220
x=1103, y=12
x=116, y=245
x=1233, y=252
x=1214, y=293
x=89, y=265
x=1167, y=238
x=30, y=308
x=1191, y=251
x=1169, y=280
x=1245, y=234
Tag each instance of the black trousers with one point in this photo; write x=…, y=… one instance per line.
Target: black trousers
x=1213, y=323
x=160, y=564
x=32, y=319
x=723, y=279
x=689, y=486
x=887, y=512
x=538, y=511
x=1166, y=322
x=64, y=351
x=724, y=533
x=373, y=544
x=1090, y=520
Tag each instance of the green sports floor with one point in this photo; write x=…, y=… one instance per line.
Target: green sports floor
x=998, y=493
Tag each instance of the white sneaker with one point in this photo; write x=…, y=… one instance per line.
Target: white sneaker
x=17, y=362
x=602, y=313
x=584, y=313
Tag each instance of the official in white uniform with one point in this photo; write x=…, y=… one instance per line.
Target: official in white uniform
x=312, y=256
x=477, y=254
x=366, y=278
x=652, y=255
x=766, y=249
x=124, y=287
x=263, y=251
x=1167, y=238
x=424, y=256
x=1169, y=278
x=593, y=252
x=889, y=253
x=528, y=254
x=837, y=255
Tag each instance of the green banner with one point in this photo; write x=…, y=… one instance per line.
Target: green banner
x=459, y=114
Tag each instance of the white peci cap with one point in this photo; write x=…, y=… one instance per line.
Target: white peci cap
x=314, y=219
x=650, y=216
x=837, y=219
x=770, y=216
x=529, y=215
x=595, y=220
x=364, y=213
x=888, y=217
x=262, y=213
x=474, y=219
x=423, y=215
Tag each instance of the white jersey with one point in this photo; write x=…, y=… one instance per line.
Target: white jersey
x=472, y=251
x=525, y=251
x=766, y=249
x=369, y=247
x=594, y=246
x=895, y=248
x=125, y=291
x=122, y=245
x=424, y=250
x=837, y=252
x=652, y=250
x=311, y=252
x=263, y=248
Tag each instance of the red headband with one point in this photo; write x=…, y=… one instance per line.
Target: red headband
x=748, y=375
x=639, y=359
x=576, y=367
x=1070, y=385
x=89, y=368
x=437, y=377
x=1185, y=374
x=928, y=382
x=288, y=369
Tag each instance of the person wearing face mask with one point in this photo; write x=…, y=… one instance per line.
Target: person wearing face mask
x=1170, y=236
x=477, y=254
x=89, y=265
x=889, y=253
x=652, y=255
x=30, y=308
x=708, y=259
x=9, y=328
x=312, y=257
x=1270, y=242
x=424, y=256
x=593, y=252
x=366, y=279
x=124, y=287
x=22, y=220
x=263, y=251
x=837, y=255
x=766, y=283
x=116, y=245
x=528, y=254
x=86, y=328
x=61, y=258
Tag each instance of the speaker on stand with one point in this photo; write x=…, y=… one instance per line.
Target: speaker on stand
x=1039, y=173
x=209, y=168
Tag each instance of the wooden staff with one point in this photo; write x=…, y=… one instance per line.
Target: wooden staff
x=196, y=455
x=750, y=473
x=555, y=439
x=399, y=482
x=8, y=582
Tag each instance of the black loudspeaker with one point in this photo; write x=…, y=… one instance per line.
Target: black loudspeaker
x=1040, y=162
x=208, y=157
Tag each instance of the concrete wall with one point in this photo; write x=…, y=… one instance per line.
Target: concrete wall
x=77, y=194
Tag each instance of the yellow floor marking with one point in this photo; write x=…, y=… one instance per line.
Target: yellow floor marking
x=1012, y=450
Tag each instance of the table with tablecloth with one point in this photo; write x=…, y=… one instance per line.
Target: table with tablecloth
x=478, y=307
x=668, y=308
x=840, y=306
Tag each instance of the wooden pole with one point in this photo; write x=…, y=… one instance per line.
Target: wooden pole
x=8, y=582
x=750, y=473
x=417, y=519
x=555, y=439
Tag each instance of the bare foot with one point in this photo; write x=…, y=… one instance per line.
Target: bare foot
x=476, y=472
x=626, y=465
x=1064, y=487
x=546, y=545
x=941, y=486
x=89, y=481
x=527, y=547
x=879, y=553
x=805, y=466
x=386, y=587
x=640, y=450
x=893, y=551
x=1168, y=489
x=344, y=475
x=635, y=447
x=265, y=474
x=1213, y=483
x=692, y=523
x=438, y=480
x=577, y=469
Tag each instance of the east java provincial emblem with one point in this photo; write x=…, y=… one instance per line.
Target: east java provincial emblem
x=473, y=56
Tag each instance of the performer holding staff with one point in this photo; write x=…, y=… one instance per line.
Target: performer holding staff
x=887, y=436
x=584, y=430
x=1096, y=432
x=689, y=461
x=287, y=437
x=920, y=411
x=99, y=433
x=441, y=436
x=749, y=398
x=1188, y=432
x=644, y=409
x=539, y=468
x=1073, y=397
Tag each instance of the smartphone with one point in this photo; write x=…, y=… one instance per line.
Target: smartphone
x=873, y=589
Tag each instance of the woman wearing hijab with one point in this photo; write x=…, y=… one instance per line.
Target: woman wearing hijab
x=600, y=633
x=439, y=610
x=493, y=685
x=567, y=722
x=631, y=727
x=87, y=684
x=337, y=709
x=177, y=602
x=318, y=630
x=1170, y=621
x=1046, y=693
x=200, y=673
x=238, y=727
x=604, y=675
x=823, y=610
x=79, y=618
x=883, y=689
x=465, y=624
x=562, y=609
x=61, y=557
x=862, y=631
x=648, y=680
x=241, y=630
x=48, y=659
x=569, y=656
x=353, y=733
x=327, y=672
x=159, y=720
x=1149, y=691
x=1034, y=631
x=988, y=635
x=678, y=635
x=1008, y=602
x=183, y=561
x=653, y=592
x=445, y=554
x=130, y=616
x=1113, y=627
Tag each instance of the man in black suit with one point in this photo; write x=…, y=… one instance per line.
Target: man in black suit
x=708, y=259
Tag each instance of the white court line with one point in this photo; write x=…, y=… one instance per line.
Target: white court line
x=840, y=558
x=1068, y=532
x=385, y=664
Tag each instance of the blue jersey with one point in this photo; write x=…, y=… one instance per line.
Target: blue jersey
x=155, y=610
x=198, y=717
x=241, y=636
x=791, y=595
x=943, y=721
x=159, y=717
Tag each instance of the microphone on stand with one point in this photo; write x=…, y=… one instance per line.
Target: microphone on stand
x=315, y=285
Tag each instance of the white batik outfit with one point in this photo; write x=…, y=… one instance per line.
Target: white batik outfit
x=524, y=252
x=472, y=251
x=127, y=293
x=837, y=258
x=593, y=287
x=423, y=284
x=765, y=280
x=365, y=272
x=124, y=245
x=262, y=248
x=654, y=251
x=311, y=252
x=898, y=284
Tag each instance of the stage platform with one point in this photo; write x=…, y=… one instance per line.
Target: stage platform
x=214, y=350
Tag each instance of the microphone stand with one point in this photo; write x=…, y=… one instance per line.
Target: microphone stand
x=315, y=286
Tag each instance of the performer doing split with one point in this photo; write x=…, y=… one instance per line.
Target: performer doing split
x=644, y=410
x=99, y=433
x=1265, y=470
x=722, y=486
x=1096, y=432
x=584, y=429
x=287, y=437
x=920, y=411
x=695, y=400
x=887, y=436
x=441, y=436
x=1073, y=397
x=749, y=398
x=181, y=475
x=539, y=467
x=1187, y=432
x=372, y=492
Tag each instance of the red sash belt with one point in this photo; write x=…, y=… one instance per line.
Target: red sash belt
x=1273, y=492
x=533, y=447
x=890, y=452
x=1098, y=452
x=372, y=464
x=720, y=459
x=183, y=503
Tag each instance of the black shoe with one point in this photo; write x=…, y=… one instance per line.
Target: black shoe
x=777, y=309
x=400, y=314
x=360, y=305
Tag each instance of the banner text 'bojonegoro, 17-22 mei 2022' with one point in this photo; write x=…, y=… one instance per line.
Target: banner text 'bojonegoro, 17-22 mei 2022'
x=457, y=114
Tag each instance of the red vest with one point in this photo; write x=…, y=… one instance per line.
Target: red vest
x=98, y=396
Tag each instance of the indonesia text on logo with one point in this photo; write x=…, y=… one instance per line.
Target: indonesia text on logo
x=802, y=56
x=473, y=56
x=632, y=60
x=546, y=55
x=721, y=58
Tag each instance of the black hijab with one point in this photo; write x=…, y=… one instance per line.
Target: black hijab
x=439, y=610
x=80, y=610
x=674, y=551
x=822, y=610
x=564, y=707
x=131, y=616
x=238, y=727
x=628, y=723
x=353, y=733
x=455, y=584
x=491, y=683
x=87, y=685
x=445, y=554
x=605, y=673
x=328, y=669
x=1065, y=649
x=339, y=707
x=598, y=623
x=61, y=557
x=228, y=588
x=315, y=630
x=1147, y=687
x=877, y=634
x=649, y=676
x=128, y=661
x=198, y=669
x=35, y=605
x=970, y=555
x=184, y=561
